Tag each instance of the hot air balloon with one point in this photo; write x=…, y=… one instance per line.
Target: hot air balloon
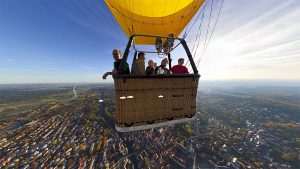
x=144, y=102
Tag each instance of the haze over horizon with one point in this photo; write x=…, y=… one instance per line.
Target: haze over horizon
x=71, y=41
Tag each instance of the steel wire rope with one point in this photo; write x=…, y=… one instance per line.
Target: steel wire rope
x=194, y=21
x=198, y=35
x=219, y=12
x=207, y=31
x=214, y=25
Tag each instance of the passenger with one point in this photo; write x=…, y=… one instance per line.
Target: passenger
x=162, y=69
x=138, y=66
x=180, y=68
x=118, y=58
x=150, y=68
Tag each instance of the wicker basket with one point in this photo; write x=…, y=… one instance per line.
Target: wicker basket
x=144, y=100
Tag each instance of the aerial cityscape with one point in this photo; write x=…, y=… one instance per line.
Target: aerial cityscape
x=66, y=126
x=149, y=84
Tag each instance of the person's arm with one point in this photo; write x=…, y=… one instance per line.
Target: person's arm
x=148, y=70
x=127, y=71
x=169, y=71
x=114, y=72
x=106, y=74
x=156, y=70
x=186, y=70
x=141, y=68
x=173, y=69
x=133, y=68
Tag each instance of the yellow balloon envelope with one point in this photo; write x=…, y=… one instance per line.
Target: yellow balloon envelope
x=153, y=17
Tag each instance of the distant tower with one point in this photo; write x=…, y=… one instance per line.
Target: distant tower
x=74, y=92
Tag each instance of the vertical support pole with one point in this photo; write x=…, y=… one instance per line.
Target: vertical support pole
x=125, y=56
x=170, y=61
x=187, y=50
x=134, y=58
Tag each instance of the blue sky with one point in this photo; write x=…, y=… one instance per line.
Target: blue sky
x=71, y=41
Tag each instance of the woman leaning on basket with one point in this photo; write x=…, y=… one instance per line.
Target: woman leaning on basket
x=118, y=58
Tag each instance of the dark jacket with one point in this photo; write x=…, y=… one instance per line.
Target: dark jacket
x=117, y=65
x=149, y=70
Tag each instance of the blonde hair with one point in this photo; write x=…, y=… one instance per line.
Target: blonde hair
x=119, y=52
x=150, y=61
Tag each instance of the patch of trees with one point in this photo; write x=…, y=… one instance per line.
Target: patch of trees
x=14, y=95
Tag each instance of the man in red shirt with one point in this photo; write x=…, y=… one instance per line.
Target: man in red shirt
x=180, y=69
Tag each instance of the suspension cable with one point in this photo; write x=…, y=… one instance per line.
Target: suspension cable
x=207, y=30
x=194, y=21
x=214, y=25
x=198, y=36
x=198, y=33
x=219, y=12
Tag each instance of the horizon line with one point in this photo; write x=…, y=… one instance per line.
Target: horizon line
x=203, y=80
